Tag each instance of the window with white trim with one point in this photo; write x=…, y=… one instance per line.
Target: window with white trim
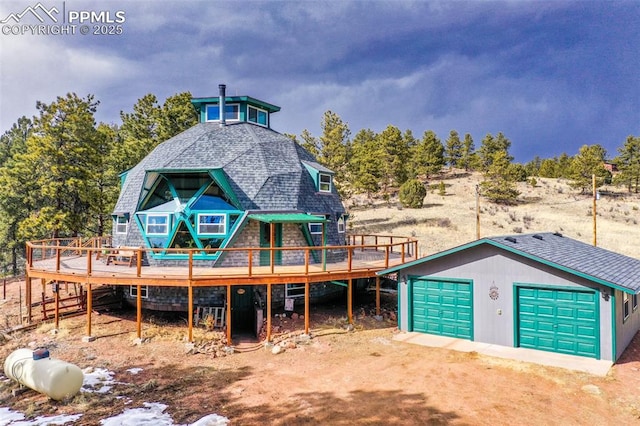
x=144, y=291
x=324, y=182
x=315, y=228
x=625, y=304
x=232, y=112
x=157, y=224
x=294, y=290
x=257, y=115
x=212, y=224
x=121, y=225
x=634, y=299
x=341, y=223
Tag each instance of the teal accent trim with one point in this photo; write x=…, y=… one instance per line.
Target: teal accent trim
x=307, y=236
x=220, y=178
x=341, y=284
x=399, y=299
x=516, y=315
x=315, y=175
x=511, y=250
x=614, y=327
x=409, y=282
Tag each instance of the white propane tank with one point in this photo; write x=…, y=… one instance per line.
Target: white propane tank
x=55, y=378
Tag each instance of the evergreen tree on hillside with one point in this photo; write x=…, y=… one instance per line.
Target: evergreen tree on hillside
x=428, y=155
x=335, y=147
x=60, y=158
x=499, y=185
x=13, y=210
x=395, y=157
x=150, y=124
x=490, y=145
x=468, y=154
x=628, y=163
x=589, y=161
x=365, y=164
x=453, y=149
x=549, y=168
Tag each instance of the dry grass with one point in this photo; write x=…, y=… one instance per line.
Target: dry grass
x=551, y=206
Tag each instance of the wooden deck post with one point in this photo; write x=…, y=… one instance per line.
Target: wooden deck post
x=190, y=313
x=89, y=308
x=350, y=301
x=306, y=306
x=268, y=312
x=228, y=315
x=28, y=299
x=378, y=295
x=139, y=311
x=56, y=288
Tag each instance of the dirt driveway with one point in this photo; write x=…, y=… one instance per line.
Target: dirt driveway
x=336, y=377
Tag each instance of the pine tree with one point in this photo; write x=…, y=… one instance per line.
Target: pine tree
x=498, y=185
x=365, y=164
x=453, y=149
x=589, y=161
x=467, y=155
x=628, y=163
x=490, y=146
x=395, y=157
x=335, y=147
x=12, y=207
x=60, y=157
x=428, y=155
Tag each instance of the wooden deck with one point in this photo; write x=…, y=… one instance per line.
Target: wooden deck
x=75, y=269
x=86, y=265
x=91, y=263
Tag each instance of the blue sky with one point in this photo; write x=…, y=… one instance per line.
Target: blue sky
x=552, y=76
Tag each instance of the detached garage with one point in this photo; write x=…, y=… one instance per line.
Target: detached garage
x=538, y=291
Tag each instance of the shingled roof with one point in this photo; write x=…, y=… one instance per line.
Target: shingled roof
x=263, y=167
x=594, y=263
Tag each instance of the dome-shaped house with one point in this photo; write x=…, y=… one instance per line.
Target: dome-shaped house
x=230, y=217
x=230, y=182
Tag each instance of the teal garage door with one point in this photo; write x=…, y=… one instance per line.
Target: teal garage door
x=442, y=307
x=559, y=320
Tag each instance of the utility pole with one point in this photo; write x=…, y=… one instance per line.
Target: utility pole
x=595, y=195
x=477, y=212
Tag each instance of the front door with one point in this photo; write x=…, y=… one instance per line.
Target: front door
x=242, y=310
x=265, y=241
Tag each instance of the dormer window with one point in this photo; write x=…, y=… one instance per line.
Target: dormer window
x=232, y=112
x=324, y=184
x=258, y=116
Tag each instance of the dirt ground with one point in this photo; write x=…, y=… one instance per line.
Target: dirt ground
x=336, y=377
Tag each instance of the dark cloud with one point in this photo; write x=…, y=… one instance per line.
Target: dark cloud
x=551, y=75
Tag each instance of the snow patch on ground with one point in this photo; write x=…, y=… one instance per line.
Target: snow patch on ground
x=100, y=380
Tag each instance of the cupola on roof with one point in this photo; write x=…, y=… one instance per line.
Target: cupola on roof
x=237, y=109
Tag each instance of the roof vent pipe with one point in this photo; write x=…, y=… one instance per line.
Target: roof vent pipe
x=223, y=90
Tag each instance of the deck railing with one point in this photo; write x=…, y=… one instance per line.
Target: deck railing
x=360, y=253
